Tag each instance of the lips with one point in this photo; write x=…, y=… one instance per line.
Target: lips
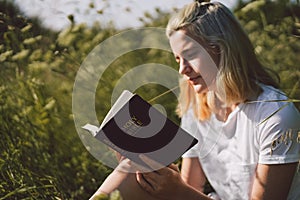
x=194, y=79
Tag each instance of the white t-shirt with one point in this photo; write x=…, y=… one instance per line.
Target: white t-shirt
x=230, y=151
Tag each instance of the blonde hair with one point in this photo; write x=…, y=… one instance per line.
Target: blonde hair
x=239, y=70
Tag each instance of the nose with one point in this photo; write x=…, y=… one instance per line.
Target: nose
x=184, y=67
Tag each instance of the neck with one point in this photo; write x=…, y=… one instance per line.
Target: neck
x=218, y=107
x=223, y=113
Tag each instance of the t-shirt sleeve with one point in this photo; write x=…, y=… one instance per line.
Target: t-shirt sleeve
x=279, y=135
x=189, y=124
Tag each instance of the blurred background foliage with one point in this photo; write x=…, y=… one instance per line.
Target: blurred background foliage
x=41, y=155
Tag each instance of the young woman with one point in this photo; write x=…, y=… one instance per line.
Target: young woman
x=249, y=145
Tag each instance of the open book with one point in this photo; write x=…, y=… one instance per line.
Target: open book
x=133, y=127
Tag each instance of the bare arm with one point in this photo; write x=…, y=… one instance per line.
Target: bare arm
x=166, y=183
x=192, y=173
x=273, y=181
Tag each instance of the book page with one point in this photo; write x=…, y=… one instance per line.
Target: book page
x=91, y=128
x=121, y=101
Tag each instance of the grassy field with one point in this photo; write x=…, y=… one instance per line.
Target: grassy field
x=41, y=154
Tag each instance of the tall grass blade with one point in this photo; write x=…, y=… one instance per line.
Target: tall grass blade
x=275, y=100
x=266, y=119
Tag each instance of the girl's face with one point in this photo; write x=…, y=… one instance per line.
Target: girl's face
x=195, y=63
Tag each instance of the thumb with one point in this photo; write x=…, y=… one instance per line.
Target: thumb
x=174, y=167
x=151, y=163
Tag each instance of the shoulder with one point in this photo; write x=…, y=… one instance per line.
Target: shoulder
x=189, y=121
x=277, y=127
x=271, y=106
x=192, y=124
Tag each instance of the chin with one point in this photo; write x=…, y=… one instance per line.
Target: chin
x=200, y=89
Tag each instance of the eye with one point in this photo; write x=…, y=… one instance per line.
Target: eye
x=190, y=55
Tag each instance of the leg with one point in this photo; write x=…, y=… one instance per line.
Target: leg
x=126, y=183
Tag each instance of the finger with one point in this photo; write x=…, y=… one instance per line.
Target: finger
x=174, y=167
x=124, y=165
x=144, y=183
x=152, y=177
x=137, y=167
x=122, y=158
x=151, y=163
x=118, y=156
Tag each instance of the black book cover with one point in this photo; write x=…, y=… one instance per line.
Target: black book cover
x=139, y=128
